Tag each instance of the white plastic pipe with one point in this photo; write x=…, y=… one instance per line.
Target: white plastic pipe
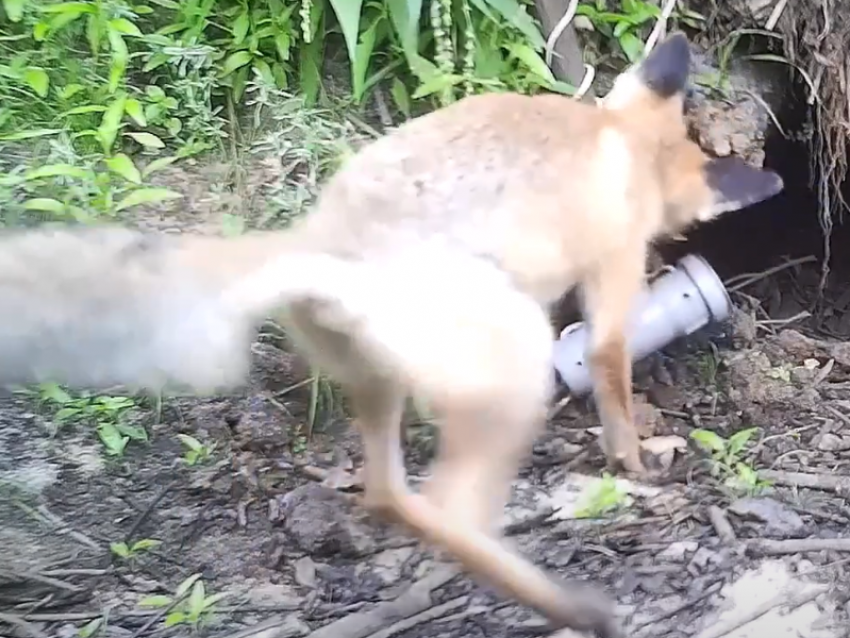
x=677, y=304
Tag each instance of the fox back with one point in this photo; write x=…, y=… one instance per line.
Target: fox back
x=544, y=187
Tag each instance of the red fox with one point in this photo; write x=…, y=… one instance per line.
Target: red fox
x=425, y=270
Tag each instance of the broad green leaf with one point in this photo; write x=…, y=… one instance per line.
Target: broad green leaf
x=174, y=618
x=68, y=7
x=112, y=439
x=436, y=84
x=14, y=9
x=708, y=440
x=360, y=64
x=190, y=442
x=81, y=110
x=56, y=170
x=147, y=196
x=148, y=140
x=516, y=15
x=120, y=549
x=348, y=15
x=45, y=204
x=738, y=440
x=120, y=56
x=155, y=601
x=40, y=30
x=124, y=26
x=632, y=46
x=29, y=134
x=122, y=165
x=262, y=68
x=158, y=164
x=146, y=543
x=183, y=587
x=235, y=61
x=134, y=109
x=111, y=121
x=405, y=15
x=37, y=79
x=94, y=31
x=196, y=598
x=209, y=601
x=240, y=28
x=530, y=58
x=70, y=90
x=400, y=96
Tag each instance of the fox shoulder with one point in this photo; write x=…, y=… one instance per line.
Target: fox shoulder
x=695, y=187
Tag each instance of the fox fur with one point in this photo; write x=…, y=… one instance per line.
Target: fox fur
x=425, y=270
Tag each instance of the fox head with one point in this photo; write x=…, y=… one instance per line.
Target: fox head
x=695, y=187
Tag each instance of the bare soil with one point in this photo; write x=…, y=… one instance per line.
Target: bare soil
x=271, y=520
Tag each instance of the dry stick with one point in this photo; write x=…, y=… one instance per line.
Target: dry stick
x=141, y=518
x=827, y=482
x=721, y=524
x=414, y=601
x=715, y=587
x=798, y=545
x=426, y=616
x=724, y=628
x=746, y=279
x=27, y=628
x=770, y=25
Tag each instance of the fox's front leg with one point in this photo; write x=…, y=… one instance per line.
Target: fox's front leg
x=608, y=295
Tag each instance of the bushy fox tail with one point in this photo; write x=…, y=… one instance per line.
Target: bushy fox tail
x=98, y=307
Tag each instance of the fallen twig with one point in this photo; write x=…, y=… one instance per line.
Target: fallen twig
x=785, y=599
x=721, y=524
x=426, y=616
x=827, y=482
x=27, y=628
x=798, y=545
x=413, y=601
x=141, y=518
x=733, y=284
x=712, y=589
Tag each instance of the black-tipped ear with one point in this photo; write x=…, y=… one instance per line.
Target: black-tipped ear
x=665, y=70
x=735, y=184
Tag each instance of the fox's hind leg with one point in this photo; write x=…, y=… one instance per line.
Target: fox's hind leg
x=608, y=296
x=377, y=403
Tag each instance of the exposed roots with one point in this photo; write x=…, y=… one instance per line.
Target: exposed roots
x=817, y=39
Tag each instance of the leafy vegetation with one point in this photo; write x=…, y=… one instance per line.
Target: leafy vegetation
x=727, y=459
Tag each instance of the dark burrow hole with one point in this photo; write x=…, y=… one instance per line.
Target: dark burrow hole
x=783, y=228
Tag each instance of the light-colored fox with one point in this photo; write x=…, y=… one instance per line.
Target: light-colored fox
x=425, y=269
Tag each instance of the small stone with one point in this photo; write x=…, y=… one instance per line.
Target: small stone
x=319, y=521
x=305, y=572
x=779, y=520
x=676, y=551
x=833, y=443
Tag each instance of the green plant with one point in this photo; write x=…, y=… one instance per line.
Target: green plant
x=129, y=552
x=189, y=605
x=726, y=458
x=622, y=27
x=196, y=452
x=602, y=497
x=624, y=31
x=105, y=412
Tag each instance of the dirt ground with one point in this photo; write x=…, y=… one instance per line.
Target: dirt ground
x=269, y=521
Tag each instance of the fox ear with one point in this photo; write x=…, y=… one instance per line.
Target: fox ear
x=734, y=185
x=665, y=70
x=662, y=74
